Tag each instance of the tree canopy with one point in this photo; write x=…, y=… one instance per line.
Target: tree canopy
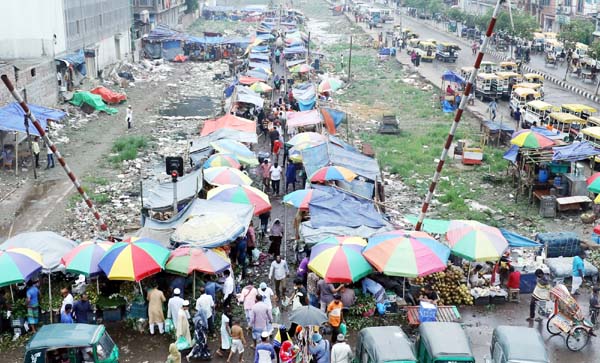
x=577, y=31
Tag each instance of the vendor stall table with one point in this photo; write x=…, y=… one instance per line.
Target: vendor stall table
x=445, y=313
x=572, y=203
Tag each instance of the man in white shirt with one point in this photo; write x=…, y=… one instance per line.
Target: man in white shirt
x=341, y=351
x=228, y=287
x=206, y=303
x=275, y=177
x=278, y=272
x=174, y=305
x=129, y=117
x=266, y=293
x=67, y=299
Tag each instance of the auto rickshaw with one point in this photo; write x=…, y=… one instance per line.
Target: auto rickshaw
x=443, y=342
x=568, y=319
x=409, y=34
x=579, y=110
x=427, y=51
x=535, y=111
x=517, y=344
x=488, y=67
x=76, y=342
x=447, y=52
x=538, y=42
x=592, y=121
x=384, y=344
x=534, y=86
x=520, y=97
x=533, y=78
x=581, y=49
x=564, y=122
x=550, y=59
x=488, y=87
x=508, y=79
x=508, y=66
x=412, y=44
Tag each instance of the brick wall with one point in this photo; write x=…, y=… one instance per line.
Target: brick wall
x=36, y=80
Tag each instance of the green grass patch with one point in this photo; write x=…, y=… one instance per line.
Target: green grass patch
x=96, y=180
x=126, y=148
x=96, y=198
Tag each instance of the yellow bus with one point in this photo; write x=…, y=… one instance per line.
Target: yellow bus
x=488, y=67
x=488, y=86
x=520, y=97
x=508, y=66
x=508, y=79
x=565, y=122
x=534, y=86
x=579, y=110
x=535, y=112
x=592, y=121
x=533, y=78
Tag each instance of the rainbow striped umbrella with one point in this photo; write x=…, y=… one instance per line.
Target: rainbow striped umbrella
x=84, y=258
x=301, y=198
x=187, y=260
x=237, y=149
x=406, y=253
x=295, y=155
x=593, y=183
x=530, y=139
x=221, y=160
x=19, y=265
x=243, y=194
x=222, y=175
x=261, y=87
x=329, y=85
x=475, y=241
x=300, y=68
x=134, y=260
x=307, y=137
x=328, y=173
x=339, y=259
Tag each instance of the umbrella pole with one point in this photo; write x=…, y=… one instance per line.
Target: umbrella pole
x=285, y=231
x=140, y=285
x=12, y=296
x=98, y=285
x=468, y=275
x=194, y=286
x=50, y=296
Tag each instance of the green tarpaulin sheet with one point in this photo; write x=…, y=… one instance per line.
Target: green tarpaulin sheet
x=79, y=98
x=437, y=226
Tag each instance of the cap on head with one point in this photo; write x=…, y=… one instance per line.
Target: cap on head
x=316, y=337
x=176, y=291
x=263, y=286
x=186, y=303
x=337, y=296
x=265, y=334
x=340, y=337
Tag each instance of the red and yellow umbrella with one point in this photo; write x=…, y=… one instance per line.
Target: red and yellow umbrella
x=243, y=194
x=339, y=259
x=134, y=260
x=187, y=260
x=329, y=173
x=222, y=175
x=530, y=139
x=84, y=258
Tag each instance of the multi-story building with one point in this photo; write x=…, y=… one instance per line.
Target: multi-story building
x=149, y=13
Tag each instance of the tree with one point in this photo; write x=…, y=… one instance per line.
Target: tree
x=456, y=14
x=524, y=24
x=417, y=4
x=435, y=6
x=192, y=6
x=594, y=50
x=577, y=31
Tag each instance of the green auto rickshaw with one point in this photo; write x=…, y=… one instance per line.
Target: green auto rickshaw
x=517, y=344
x=384, y=344
x=75, y=342
x=441, y=342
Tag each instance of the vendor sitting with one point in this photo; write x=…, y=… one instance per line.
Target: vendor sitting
x=429, y=295
x=474, y=279
x=450, y=91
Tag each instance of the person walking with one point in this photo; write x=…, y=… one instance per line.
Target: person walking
x=35, y=148
x=266, y=293
x=312, y=281
x=277, y=55
x=334, y=312
x=276, y=235
x=275, y=174
x=278, y=272
x=261, y=318
x=156, y=299
x=66, y=317
x=225, y=333
x=33, y=304
x=248, y=298
x=265, y=353
x=49, y=158
x=67, y=298
x=174, y=354
x=578, y=273
x=251, y=242
x=182, y=325
x=81, y=309
x=290, y=176
x=341, y=351
x=541, y=292
x=206, y=303
x=238, y=341
x=265, y=174
x=174, y=305
x=228, y=287
x=129, y=117
x=319, y=349
x=413, y=57
x=273, y=135
x=264, y=222
x=492, y=109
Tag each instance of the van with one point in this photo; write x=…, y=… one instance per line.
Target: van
x=443, y=342
x=488, y=87
x=520, y=97
x=384, y=344
x=579, y=110
x=536, y=111
x=517, y=344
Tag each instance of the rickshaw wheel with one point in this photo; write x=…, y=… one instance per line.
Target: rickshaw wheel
x=552, y=329
x=577, y=339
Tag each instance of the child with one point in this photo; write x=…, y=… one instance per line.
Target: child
x=238, y=341
x=66, y=317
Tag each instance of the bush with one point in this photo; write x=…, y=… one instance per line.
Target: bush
x=127, y=147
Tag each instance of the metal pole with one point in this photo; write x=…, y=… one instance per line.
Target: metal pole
x=50, y=295
x=308, y=50
x=350, y=60
x=174, y=196
x=59, y=157
x=26, y=121
x=457, y=118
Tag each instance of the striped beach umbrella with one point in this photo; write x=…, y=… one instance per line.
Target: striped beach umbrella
x=301, y=198
x=339, y=259
x=243, y=194
x=19, y=265
x=219, y=159
x=329, y=173
x=475, y=241
x=222, y=175
x=84, y=258
x=134, y=260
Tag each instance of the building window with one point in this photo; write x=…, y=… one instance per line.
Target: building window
x=78, y=26
x=100, y=20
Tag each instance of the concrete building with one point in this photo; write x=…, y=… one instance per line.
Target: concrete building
x=35, y=79
x=149, y=13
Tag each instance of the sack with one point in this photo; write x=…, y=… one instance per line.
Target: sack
x=182, y=343
x=169, y=326
x=343, y=329
x=255, y=254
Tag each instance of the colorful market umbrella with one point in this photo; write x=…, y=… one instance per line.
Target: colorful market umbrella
x=222, y=175
x=406, y=253
x=300, y=68
x=261, y=87
x=187, y=260
x=238, y=150
x=134, y=260
x=219, y=159
x=593, y=183
x=307, y=137
x=330, y=85
x=241, y=194
x=19, y=265
x=339, y=259
x=530, y=139
x=328, y=173
x=209, y=230
x=301, y=198
x=84, y=258
x=475, y=241
x=295, y=155
x=304, y=145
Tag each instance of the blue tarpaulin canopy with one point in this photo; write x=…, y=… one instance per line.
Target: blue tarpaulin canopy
x=319, y=156
x=575, y=151
x=12, y=117
x=450, y=76
x=77, y=60
x=517, y=240
x=511, y=154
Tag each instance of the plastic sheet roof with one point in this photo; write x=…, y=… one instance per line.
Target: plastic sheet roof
x=12, y=117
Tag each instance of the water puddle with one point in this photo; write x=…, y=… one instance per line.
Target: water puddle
x=190, y=106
